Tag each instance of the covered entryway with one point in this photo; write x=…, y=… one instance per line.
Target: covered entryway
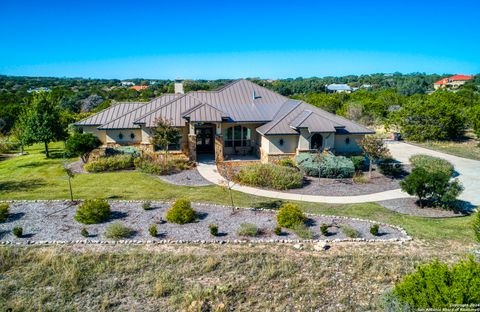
x=205, y=139
x=316, y=141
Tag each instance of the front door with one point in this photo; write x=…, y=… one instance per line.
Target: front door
x=204, y=140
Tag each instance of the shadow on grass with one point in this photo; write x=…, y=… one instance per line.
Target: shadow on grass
x=26, y=185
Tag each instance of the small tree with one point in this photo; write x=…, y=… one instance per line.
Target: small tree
x=82, y=144
x=228, y=183
x=164, y=134
x=70, y=176
x=375, y=149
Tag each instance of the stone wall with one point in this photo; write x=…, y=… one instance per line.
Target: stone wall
x=192, y=147
x=219, y=148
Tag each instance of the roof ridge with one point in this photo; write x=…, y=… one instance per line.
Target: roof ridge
x=283, y=117
x=305, y=118
x=195, y=107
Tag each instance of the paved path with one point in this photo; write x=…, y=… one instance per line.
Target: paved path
x=469, y=171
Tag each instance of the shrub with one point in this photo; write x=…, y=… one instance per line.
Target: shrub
x=4, y=211
x=290, y=215
x=111, y=163
x=93, y=211
x=271, y=176
x=358, y=163
x=147, y=205
x=432, y=164
x=374, y=229
x=286, y=162
x=213, y=229
x=435, y=285
x=476, y=225
x=360, y=178
x=277, y=230
x=17, y=231
x=270, y=204
x=434, y=187
x=325, y=165
x=181, y=212
x=324, y=229
x=247, y=229
x=153, y=230
x=84, y=232
x=81, y=144
x=118, y=230
x=302, y=231
x=349, y=231
x=153, y=164
x=391, y=168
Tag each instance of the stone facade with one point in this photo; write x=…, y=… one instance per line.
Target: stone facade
x=219, y=148
x=192, y=147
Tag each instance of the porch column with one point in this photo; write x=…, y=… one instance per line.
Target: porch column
x=192, y=147
x=219, y=148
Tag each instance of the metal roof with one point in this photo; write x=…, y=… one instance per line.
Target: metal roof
x=339, y=87
x=204, y=113
x=110, y=113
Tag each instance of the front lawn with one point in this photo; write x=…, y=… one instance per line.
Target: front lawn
x=467, y=148
x=34, y=177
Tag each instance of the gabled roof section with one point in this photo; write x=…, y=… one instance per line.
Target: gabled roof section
x=126, y=121
x=281, y=121
x=204, y=113
x=110, y=113
x=315, y=123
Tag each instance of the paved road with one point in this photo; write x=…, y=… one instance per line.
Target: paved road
x=468, y=169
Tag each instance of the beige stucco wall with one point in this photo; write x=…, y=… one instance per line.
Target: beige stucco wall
x=304, y=140
x=100, y=134
x=254, y=135
x=342, y=147
x=271, y=144
x=113, y=136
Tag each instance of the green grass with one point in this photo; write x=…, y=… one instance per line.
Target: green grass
x=34, y=177
x=468, y=148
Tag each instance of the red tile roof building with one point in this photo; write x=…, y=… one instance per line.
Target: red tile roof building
x=138, y=88
x=452, y=82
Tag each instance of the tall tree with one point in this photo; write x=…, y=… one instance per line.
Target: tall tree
x=42, y=122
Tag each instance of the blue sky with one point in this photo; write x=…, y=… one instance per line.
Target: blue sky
x=233, y=39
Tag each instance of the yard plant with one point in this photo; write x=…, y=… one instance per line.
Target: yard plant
x=17, y=231
x=93, y=211
x=81, y=144
x=4, y=211
x=181, y=212
x=118, y=230
x=247, y=229
x=213, y=229
x=374, y=229
x=325, y=165
x=110, y=163
x=152, y=230
x=432, y=164
x=350, y=231
x=302, y=231
x=270, y=176
x=290, y=215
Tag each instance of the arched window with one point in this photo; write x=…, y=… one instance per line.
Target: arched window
x=237, y=136
x=120, y=136
x=347, y=141
x=316, y=141
x=132, y=136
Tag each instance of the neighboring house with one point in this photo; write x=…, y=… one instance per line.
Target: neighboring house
x=138, y=88
x=37, y=90
x=339, y=88
x=240, y=118
x=451, y=82
x=127, y=83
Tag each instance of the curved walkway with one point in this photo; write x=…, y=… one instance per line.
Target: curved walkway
x=469, y=175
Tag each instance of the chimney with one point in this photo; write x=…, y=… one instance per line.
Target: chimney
x=179, y=86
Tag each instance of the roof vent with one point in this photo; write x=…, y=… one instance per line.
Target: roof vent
x=254, y=95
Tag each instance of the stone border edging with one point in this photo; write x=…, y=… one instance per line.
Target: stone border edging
x=213, y=242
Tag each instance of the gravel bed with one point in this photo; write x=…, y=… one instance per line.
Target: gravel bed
x=408, y=206
x=51, y=221
x=345, y=187
x=189, y=177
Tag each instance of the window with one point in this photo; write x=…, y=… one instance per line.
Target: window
x=132, y=136
x=238, y=136
x=120, y=136
x=316, y=141
x=347, y=141
x=281, y=142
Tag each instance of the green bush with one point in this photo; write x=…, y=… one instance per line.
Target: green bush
x=433, y=187
x=118, y=230
x=247, y=229
x=289, y=215
x=93, y=211
x=390, y=167
x=349, y=231
x=147, y=205
x=181, y=212
x=271, y=176
x=374, y=229
x=324, y=229
x=81, y=144
x=435, y=285
x=286, y=162
x=360, y=178
x=122, y=150
x=325, y=165
x=213, y=229
x=358, y=163
x=111, y=163
x=302, y=231
x=153, y=230
x=277, y=230
x=4, y=211
x=84, y=232
x=476, y=225
x=17, y=231
x=148, y=164
x=432, y=164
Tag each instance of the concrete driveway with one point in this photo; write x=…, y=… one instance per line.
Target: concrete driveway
x=468, y=169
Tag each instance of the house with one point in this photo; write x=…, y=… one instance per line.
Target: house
x=240, y=118
x=138, y=88
x=339, y=88
x=453, y=82
x=127, y=83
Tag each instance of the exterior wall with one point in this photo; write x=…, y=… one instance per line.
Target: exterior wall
x=112, y=136
x=342, y=147
x=100, y=134
x=290, y=143
x=304, y=140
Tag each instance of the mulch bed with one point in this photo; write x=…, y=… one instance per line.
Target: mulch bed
x=408, y=206
x=47, y=221
x=189, y=177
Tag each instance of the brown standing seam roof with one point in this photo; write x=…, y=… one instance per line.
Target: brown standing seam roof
x=110, y=113
x=204, y=113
